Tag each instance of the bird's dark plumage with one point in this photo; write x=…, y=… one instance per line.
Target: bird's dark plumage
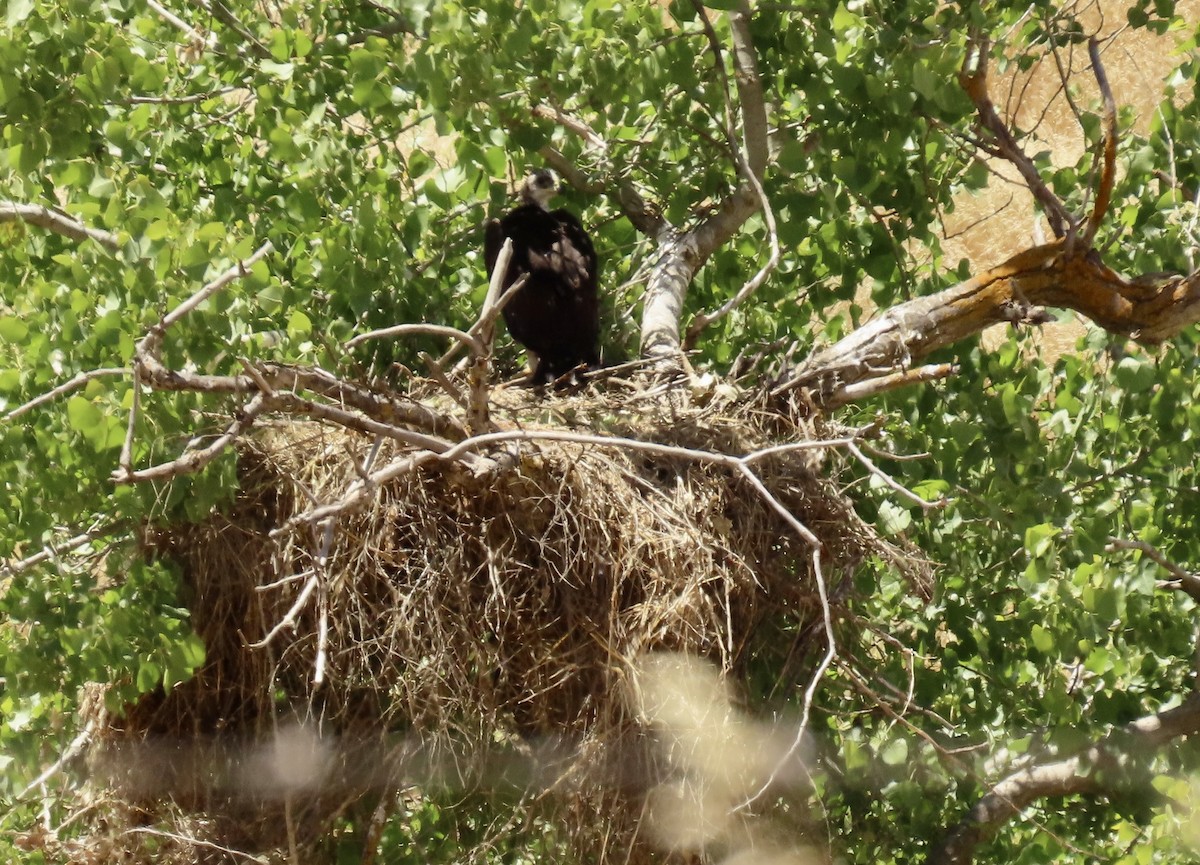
x=555, y=314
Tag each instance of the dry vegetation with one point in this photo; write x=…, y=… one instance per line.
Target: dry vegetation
x=487, y=620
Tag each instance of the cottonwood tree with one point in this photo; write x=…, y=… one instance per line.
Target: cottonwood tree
x=208, y=207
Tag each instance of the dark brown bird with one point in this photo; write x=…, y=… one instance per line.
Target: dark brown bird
x=556, y=313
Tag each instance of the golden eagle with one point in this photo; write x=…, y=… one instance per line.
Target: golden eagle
x=556, y=313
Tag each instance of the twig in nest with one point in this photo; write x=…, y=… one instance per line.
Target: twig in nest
x=481, y=361
x=465, y=338
x=439, y=375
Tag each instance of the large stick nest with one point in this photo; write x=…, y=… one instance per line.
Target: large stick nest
x=500, y=612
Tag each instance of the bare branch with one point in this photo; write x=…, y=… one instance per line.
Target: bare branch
x=55, y=549
x=481, y=363
x=193, y=461
x=572, y=123
x=221, y=12
x=177, y=100
x=891, y=482
x=179, y=24
x=73, y=750
x=975, y=83
x=59, y=223
x=752, y=285
x=1108, y=174
x=883, y=384
x=1086, y=772
x=1186, y=581
x=64, y=388
x=423, y=329
x=237, y=271
x=293, y=613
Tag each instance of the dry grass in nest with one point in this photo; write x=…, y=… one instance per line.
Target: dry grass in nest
x=503, y=612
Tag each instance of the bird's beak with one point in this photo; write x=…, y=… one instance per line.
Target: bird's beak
x=562, y=187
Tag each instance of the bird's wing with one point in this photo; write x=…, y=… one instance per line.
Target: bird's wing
x=577, y=237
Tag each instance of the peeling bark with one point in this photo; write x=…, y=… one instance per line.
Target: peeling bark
x=1147, y=309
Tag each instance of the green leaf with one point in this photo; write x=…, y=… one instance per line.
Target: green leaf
x=299, y=324
x=18, y=11
x=1043, y=640
x=12, y=329
x=895, y=753
x=83, y=415
x=281, y=71
x=893, y=518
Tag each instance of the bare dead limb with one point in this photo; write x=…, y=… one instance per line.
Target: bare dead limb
x=193, y=461
x=66, y=387
x=973, y=79
x=53, y=550
x=486, y=320
x=59, y=223
x=884, y=383
x=1108, y=173
x=277, y=388
x=1086, y=772
x=1146, y=310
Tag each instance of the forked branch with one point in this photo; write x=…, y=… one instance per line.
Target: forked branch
x=1066, y=274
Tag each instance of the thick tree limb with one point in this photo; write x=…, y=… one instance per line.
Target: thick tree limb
x=59, y=223
x=1087, y=772
x=684, y=253
x=1148, y=310
x=751, y=158
x=681, y=253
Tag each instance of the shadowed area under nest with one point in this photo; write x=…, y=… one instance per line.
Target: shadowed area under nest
x=502, y=612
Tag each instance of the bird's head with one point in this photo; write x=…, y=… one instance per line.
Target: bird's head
x=539, y=187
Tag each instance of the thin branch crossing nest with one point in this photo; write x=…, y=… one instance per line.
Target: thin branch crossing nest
x=461, y=611
x=459, y=586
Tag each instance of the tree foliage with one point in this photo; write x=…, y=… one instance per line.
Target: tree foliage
x=368, y=141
